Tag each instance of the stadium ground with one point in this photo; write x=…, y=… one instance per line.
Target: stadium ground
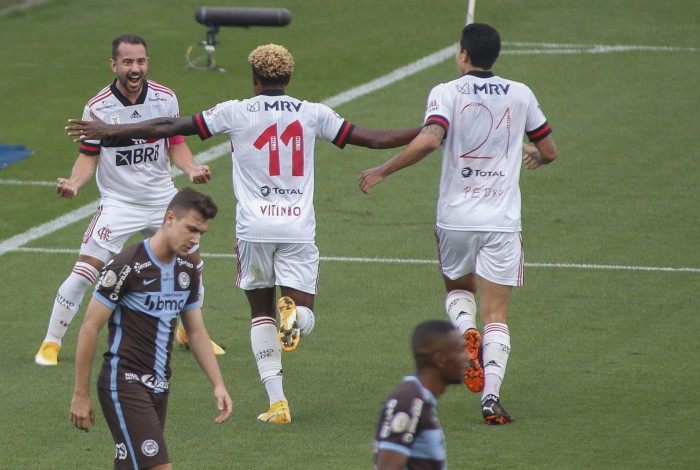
x=603, y=373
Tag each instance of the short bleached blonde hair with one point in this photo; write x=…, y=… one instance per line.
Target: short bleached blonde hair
x=272, y=62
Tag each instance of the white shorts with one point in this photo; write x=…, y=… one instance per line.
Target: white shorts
x=262, y=265
x=112, y=225
x=494, y=256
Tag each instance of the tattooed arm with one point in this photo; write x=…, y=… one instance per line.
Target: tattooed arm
x=425, y=142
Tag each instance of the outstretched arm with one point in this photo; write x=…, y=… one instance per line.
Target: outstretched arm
x=382, y=138
x=158, y=127
x=200, y=344
x=425, y=142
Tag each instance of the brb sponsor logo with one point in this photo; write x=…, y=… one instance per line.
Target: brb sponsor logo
x=267, y=190
x=159, y=304
x=138, y=155
x=469, y=171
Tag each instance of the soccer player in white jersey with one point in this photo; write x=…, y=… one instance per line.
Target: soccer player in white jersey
x=133, y=176
x=480, y=120
x=272, y=139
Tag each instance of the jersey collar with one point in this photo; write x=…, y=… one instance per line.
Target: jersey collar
x=273, y=92
x=154, y=258
x=480, y=73
x=427, y=394
x=123, y=99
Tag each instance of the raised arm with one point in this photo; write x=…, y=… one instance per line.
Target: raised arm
x=382, y=138
x=82, y=410
x=158, y=127
x=425, y=142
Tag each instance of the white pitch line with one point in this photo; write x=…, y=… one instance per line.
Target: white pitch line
x=398, y=74
x=12, y=182
x=605, y=47
x=15, y=242
x=435, y=58
x=347, y=259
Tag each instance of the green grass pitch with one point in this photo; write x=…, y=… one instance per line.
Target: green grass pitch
x=604, y=366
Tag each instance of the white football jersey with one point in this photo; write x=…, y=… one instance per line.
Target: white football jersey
x=485, y=118
x=133, y=171
x=272, y=148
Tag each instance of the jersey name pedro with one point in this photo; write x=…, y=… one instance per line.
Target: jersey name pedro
x=145, y=296
x=272, y=148
x=133, y=171
x=485, y=118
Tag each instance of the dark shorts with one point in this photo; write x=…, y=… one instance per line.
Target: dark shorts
x=136, y=418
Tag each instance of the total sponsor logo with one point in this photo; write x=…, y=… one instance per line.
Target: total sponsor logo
x=469, y=171
x=267, y=190
x=138, y=155
x=159, y=304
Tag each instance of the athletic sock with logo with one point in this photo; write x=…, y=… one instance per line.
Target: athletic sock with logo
x=68, y=300
x=268, y=356
x=461, y=308
x=496, y=348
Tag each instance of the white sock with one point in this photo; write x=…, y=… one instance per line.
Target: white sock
x=268, y=356
x=496, y=344
x=199, y=269
x=306, y=319
x=461, y=308
x=68, y=300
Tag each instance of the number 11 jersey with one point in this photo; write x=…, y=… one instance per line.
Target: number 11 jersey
x=272, y=148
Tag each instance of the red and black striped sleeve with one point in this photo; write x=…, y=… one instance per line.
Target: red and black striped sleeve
x=201, y=126
x=540, y=133
x=87, y=148
x=439, y=120
x=343, y=135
